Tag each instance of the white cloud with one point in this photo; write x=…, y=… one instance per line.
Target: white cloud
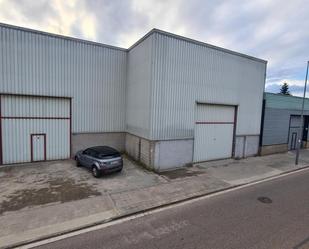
x=55, y=16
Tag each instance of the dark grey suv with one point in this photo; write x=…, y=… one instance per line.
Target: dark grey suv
x=100, y=160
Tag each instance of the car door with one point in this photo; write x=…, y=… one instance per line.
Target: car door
x=85, y=158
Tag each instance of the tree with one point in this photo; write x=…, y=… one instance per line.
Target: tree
x=285, y=89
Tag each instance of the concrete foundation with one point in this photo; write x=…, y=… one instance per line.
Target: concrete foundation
x=82, y=141
x=159, y=155
x=140, y=149
x=246, y=145
x=173, y=154
x=272, y=149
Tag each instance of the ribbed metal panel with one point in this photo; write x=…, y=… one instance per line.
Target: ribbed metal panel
x=25, y=115
x=279, y=101
x=93, y=75
x=139, y=89
x=214, y=113
x=16, y=139
x=23, y=106
x=185, y=73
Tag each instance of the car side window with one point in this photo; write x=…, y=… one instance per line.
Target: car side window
x=91, y=153
x=86, y=152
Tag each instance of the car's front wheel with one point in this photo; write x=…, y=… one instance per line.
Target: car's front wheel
x=95, y=172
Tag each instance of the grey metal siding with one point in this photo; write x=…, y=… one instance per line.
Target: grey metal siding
x=93, y=75
x=186, y=73
x=22, y=116
x=139, y=95
x=276, y=125
x=279, y=101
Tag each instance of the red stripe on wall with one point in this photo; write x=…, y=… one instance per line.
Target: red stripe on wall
x=35, y=117
x=201, y=122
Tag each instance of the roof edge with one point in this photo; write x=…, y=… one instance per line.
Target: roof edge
x=70, y=38
x=154, y=30
x=179, y=37
x=285, y=96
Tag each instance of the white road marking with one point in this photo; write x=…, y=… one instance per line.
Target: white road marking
x=157, y=210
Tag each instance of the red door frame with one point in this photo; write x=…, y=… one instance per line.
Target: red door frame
x=31, y=145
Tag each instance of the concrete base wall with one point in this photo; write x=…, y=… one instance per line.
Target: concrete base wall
x=82, y=141
x=173, y=154
x=246, y=146
x=140, y=149
x=170, y=154
x=272, y=149
x=132, y=146
x=159, y=155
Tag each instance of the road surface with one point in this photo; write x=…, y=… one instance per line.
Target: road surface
x=234, y=219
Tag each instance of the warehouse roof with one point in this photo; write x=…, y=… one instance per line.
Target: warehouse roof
x=136, y=43
x=281, y=101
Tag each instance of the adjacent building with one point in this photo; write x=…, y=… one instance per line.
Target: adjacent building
x=166, y=101
x=282, y=123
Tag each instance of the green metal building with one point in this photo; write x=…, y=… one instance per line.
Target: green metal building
x=280, y=128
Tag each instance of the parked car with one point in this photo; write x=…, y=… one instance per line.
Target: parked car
x=100, y=160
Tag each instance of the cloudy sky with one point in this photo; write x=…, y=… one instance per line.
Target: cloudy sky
x=275, y=30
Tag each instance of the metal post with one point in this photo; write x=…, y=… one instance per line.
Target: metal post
x=300, y=139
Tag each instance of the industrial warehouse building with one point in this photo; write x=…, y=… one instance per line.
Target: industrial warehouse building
x=281, y=123
x=166, y=101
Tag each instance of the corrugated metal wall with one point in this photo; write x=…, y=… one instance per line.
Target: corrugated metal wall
x=139, y=93
x=16, y=139
x=94, y=75
x=279, y=101
x=154, y=93
x=26, y=106
x=276, y=125
x=22, y=116
x=278, y=110
x=185, y=72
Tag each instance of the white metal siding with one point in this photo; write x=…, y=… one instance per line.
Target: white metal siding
x=213, y=132
x=139, y=89
x=25, y=106
x=185, y=72
x=16, y=139
x=23, y=116
x=94, y=75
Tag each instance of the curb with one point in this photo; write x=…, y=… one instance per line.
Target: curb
x=118, y=217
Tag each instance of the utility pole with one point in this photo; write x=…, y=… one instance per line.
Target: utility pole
x=300, y=139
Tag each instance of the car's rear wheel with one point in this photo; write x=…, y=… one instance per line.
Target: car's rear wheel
x=95, y=172
x=77, y=162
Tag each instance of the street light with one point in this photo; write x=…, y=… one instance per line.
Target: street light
x=301, y=119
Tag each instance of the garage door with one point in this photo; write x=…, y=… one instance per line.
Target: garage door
x=213, y=132
x=34, y=128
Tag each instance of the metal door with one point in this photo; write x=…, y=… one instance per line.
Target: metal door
x=292, y=145
x=213, y=132
x=38, y=147
x=294, y=133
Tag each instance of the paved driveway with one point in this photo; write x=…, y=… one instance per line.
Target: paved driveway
x=29, y=185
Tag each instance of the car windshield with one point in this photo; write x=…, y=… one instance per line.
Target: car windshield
x=105, y=152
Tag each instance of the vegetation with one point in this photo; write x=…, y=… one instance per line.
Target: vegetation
x=285, y=89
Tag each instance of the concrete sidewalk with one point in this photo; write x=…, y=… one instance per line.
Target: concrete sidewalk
x=54, y=218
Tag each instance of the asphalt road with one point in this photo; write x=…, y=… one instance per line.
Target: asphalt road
x=235, y=219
